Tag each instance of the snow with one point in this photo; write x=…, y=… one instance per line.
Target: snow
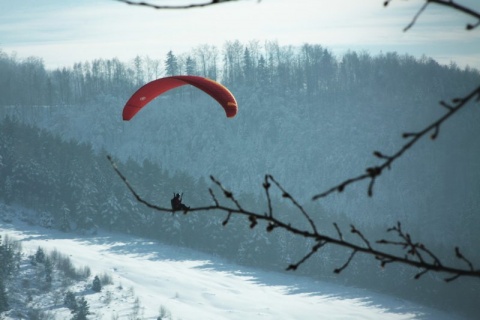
x=148, y=275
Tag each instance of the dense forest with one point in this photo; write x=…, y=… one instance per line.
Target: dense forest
x=305, y=116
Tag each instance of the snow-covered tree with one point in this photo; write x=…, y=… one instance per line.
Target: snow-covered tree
x=96, y=285
x=70, y=301
x=3, y=297
x=40, y=255
x=171, y=64
x=83, y=310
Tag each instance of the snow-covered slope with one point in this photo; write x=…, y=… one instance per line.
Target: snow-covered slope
x=149, y=276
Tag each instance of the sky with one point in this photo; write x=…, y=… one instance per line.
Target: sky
x=193, y=285
x=63, y=32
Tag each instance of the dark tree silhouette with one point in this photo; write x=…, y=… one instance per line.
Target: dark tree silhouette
x=70, y=301
x=414, y=254
x=3, y=297
x=96, y=284
x=40, y=255
x=82, y=311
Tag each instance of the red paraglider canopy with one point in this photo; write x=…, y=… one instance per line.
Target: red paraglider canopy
x=155, y=88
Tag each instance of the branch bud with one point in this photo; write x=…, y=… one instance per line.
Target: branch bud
x=379, y=155
x=227, y=219
x=446, y=105
x=457, y=253
x=374, y=171
x=271, y=226
x=435, y=133
x=253, y=221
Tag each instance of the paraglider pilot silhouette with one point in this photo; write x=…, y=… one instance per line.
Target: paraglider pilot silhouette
x=177, y=202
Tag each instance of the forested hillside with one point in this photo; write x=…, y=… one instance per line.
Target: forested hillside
x=309, y=118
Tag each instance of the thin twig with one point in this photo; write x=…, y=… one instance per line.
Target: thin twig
x=266, y=186
x=447, y=3
x=414, y=20
x=285, y=194
x=340, y=236
x=461, y=8
x=228, y=194
x=307, y=256
x=338, y=270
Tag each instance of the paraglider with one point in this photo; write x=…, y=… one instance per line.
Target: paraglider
x=155, y=88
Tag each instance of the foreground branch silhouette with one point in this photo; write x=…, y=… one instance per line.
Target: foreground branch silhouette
x=415, y=254
x=372, y=173
x=187, y=6
x=446, y=3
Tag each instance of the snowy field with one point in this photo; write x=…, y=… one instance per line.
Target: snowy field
x=186, y=284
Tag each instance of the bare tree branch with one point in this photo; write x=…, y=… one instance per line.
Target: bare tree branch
x=373, y=172
x=414, y=256
x=447, y=3
x=415, y=18
x=187, y=6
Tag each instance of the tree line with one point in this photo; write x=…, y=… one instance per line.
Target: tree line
x=306, y=72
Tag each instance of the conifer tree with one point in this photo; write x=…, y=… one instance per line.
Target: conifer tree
x=48, y=271
x=171, y=64
x=70, y=301
x=40, y=255
x=7, y=258
x=3, y=297
x=83, y=310
x=97, y=285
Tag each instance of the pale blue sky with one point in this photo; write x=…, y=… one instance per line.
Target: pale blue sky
x=63, y=32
